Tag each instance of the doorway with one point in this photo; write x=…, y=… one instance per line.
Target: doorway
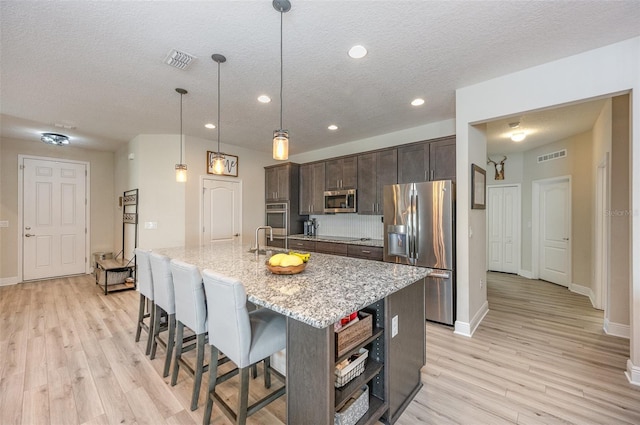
x=53, y=217
x=221, y=210
x=552, y=230
x=503, y=228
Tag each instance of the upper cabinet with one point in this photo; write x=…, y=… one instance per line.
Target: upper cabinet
x=375, y=170
x=442, y=159
x=312, y=188
x=426, y=161
x=281, y=181
x=341, y=173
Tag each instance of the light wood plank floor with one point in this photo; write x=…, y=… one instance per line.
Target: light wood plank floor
x=67, y=356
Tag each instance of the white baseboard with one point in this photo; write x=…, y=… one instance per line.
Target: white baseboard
x=633, y=373
x=616, y=329
x=525, y=273
x=584, y=290
x=4, y=281
x=467, y=329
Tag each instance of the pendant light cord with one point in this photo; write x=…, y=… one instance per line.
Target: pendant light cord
x=281, y=68
x=218, y=108
x=181, y=136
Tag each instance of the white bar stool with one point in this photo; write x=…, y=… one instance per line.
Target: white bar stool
x=164, y=303
x=145, y=287
x=245, y=337
x=191, y=311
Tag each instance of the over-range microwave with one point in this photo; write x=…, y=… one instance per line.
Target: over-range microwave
x=340, y=201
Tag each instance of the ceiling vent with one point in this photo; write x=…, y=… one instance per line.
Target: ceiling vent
x=551, y=156
x=178, y=59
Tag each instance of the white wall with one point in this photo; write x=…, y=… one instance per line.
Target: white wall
x=601, y=72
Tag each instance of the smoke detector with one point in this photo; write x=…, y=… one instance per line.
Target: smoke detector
x=178, y=59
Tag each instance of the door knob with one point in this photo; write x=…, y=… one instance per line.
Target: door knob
x=565, y=239
x=28, y=235
x=27, y=228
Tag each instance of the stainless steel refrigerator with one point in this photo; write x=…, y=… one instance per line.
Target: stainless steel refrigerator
x=419, y=230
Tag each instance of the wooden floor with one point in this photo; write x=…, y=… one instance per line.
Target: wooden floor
x=68, y=356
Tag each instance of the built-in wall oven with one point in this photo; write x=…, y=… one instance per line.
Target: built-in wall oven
x=277, y=216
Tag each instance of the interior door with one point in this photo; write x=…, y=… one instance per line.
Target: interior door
x=222, y=210
x=503, y=228
x=555, y=229
x=54, y=218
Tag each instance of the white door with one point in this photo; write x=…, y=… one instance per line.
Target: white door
x=222, y=210
x=503, y=229
x=555, y=229
x=54, y=218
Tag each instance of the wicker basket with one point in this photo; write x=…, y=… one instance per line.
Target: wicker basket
x=352, y=370
x=354, y=333
x=354, y=409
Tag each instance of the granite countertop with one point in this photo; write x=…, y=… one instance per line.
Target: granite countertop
x=341, y=239
x=328, y=289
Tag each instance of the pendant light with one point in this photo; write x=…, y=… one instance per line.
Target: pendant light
x=218, y=158
x=280, y=136
x=181, y=169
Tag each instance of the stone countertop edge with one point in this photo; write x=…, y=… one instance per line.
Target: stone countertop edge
x=328, y=289
x=340, y=239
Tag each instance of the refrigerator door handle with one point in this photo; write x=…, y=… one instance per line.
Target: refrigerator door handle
x=416, y=229
x=410, y=231
x=442, y=275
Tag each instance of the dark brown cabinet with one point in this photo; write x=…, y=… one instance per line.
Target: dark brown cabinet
x=375, y=170
x=331, y=248
x=312, y=188
x=366, y=252
x=279, y=181
x=341, y=173
x=427, y=161
x=442, y=159
x=302, y=245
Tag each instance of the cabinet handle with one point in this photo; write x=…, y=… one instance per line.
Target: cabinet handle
x=364, y=251
x=425, y=175
x=433, y=174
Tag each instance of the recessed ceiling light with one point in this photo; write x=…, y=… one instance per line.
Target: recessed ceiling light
x=209, y=125
x=357, y=52
x=264, y=99
x=518, y=137
x=333, y=127
x=417, y=102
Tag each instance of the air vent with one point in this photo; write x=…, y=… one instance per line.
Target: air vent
x=551, y=156
x=178, y=59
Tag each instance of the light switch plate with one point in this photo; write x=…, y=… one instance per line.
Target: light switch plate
x=394, y=326
x=4, y=223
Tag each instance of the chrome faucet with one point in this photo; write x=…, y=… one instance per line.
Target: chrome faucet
x=270, y=235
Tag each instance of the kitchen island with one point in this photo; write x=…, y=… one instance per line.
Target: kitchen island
x=330, y=288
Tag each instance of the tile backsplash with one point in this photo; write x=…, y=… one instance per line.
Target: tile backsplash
x=350, y=225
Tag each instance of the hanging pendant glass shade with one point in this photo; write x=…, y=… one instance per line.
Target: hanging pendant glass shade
x=218, y=163
x=281, y=145
x=181, y=173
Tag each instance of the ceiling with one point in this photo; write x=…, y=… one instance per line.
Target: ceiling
x=98, y=66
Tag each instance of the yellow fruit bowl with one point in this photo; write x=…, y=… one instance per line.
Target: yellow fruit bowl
x=286, y=270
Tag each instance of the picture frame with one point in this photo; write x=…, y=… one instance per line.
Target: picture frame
x=478, y=187
x=230, y=164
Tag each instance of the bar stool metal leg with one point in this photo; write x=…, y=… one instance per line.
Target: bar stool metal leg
x=152, y=318
x=200, y=342
x=178, y=354
x=213, y=378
